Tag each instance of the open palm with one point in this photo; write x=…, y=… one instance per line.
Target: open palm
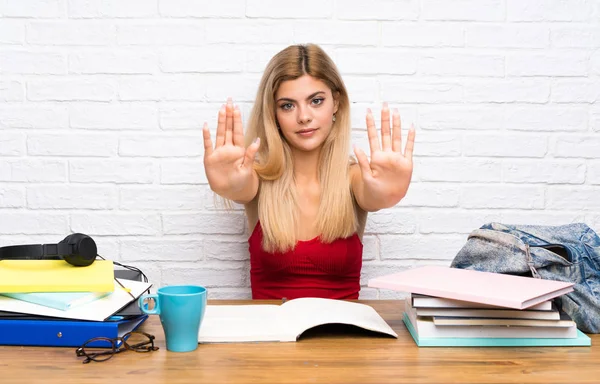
x=390, y=170
x=229, y=166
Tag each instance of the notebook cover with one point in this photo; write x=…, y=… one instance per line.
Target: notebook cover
x=55, y=276
x=498, y=289
x=63, y=333
x=582, y=340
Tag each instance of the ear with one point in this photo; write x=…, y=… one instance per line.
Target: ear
x=336, y=102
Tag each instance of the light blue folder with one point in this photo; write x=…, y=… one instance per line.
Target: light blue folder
x=582, y=340
x=58, y=300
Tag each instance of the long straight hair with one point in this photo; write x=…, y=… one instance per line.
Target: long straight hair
x=277, y=195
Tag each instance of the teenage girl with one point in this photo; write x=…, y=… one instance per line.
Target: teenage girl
x=305, y=198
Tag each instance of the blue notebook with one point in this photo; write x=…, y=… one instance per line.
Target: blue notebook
x=582, y=340
x=64, y=333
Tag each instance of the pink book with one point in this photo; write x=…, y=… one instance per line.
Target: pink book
x=478, y=287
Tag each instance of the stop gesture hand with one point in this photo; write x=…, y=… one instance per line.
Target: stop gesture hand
x=229, y=166
x=385, y=179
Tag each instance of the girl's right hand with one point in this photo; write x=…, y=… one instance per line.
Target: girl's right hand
x=229, y=166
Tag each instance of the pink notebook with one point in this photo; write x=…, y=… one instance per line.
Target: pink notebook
x=479, y=287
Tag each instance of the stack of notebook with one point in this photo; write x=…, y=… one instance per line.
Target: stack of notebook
x=51, y=303
x=458, y=307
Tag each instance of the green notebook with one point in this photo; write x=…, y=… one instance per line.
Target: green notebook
x=582, y=340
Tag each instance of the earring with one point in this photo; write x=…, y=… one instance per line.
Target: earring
x=334, y=117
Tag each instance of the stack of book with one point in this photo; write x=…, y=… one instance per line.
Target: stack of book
x=458, y=307
x=51, y=303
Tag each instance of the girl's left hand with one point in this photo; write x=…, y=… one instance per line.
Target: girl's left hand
x=387, y=176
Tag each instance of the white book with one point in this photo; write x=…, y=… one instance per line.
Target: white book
x=285, y=322
x=489, y=313
x=469, y=321
x=425, y=327
x=424, y=301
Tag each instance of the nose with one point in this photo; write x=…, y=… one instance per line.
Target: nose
x=304, y=116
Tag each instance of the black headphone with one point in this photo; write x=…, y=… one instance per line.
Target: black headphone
x=76, y=249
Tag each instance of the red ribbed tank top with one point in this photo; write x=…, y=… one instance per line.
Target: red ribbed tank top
x=311, y=269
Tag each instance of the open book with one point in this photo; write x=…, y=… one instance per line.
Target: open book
x=285, y=322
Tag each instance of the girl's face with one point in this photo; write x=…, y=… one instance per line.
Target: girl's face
x=304, y=110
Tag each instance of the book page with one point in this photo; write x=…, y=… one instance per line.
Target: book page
x=299, y=315
x=239, y=323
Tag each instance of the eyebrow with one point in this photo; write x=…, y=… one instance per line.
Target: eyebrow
x=292, y=100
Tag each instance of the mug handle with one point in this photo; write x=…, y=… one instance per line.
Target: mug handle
x=156, y=310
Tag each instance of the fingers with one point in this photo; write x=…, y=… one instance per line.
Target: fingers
x=372, y=132
x=221, y=127
x=229, y=121
x=397, y=134
x=251, y=153
x=386, y=135
x=238, y=130
x=410, y=143
x=363, y=162
x=208, y=148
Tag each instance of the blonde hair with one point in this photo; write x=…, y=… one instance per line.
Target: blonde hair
x=277, y=207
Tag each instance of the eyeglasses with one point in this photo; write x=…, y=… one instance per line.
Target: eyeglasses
x=102, y=348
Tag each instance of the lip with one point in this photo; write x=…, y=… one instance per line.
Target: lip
x=307, y=132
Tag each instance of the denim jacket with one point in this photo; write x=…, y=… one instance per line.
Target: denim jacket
x=568, y=253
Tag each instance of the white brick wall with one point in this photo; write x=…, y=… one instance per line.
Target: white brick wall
x=102, y=103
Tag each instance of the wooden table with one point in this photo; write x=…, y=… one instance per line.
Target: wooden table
x=319, y=357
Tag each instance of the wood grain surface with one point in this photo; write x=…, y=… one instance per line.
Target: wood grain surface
x=324, y=355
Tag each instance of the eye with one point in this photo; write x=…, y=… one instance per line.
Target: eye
x=286, y=106
x=317, y=101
